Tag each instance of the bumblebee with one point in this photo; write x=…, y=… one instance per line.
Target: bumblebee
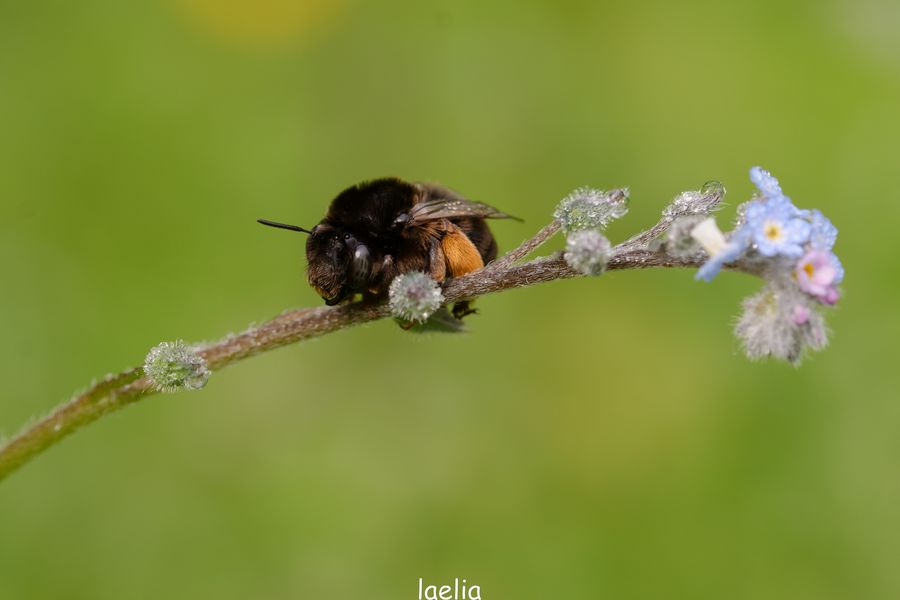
x=379, y=229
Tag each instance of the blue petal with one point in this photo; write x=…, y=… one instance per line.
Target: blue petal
x=778, y=207
x=729, y=253
x=708, y=270
x=838, y=267
x=764, y=246
x=755, y=212
x=824, y=233
x=734, y=249
x=791, y=251
x=764, y=181
x=784, y=203
x=798, y=231
x=742, y=236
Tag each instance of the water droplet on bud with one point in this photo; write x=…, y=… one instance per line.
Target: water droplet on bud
x=713, y=188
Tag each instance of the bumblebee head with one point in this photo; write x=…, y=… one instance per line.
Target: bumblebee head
x=327, y=260
x=338, y=263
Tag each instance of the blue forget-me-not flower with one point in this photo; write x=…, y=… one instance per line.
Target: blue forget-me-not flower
x=776, y=229
x=793, y=249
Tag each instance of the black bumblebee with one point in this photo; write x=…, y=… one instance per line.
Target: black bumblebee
x=379, y=229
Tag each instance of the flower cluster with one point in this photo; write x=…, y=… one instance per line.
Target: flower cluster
x=792, y=249
x=583, y=214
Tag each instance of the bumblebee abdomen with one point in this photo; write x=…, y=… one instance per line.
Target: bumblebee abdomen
x=478, y=231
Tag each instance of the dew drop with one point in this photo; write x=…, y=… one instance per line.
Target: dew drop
x=713, y=187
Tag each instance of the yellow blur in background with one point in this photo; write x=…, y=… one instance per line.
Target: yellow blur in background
x=597, y=438
x=268, y=25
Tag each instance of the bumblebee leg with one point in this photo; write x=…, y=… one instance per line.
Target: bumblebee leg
x=462, y=257
x=437, y=261
x=372, y=297
x=463, y=308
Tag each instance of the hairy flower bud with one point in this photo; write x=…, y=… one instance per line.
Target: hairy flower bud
x=414, y=296
x=587, y=208
x=695, y=202
x=679, y=241
x=173, y=366
x=587, y=251
x=778, y=323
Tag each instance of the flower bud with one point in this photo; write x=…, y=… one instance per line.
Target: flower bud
x=695, y=202
x=587, y=251
x=780, y=324
x=414, y=296
x=173, y=366
x=679, y=241
x=587, y=208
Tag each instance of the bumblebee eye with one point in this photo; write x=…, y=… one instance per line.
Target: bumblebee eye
x=360, y=266
x=401, y=220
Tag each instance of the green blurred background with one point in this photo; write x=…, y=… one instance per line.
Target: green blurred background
x=598, y=438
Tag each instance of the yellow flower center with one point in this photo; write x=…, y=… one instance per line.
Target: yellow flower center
x=772, y=231
x=809, y=270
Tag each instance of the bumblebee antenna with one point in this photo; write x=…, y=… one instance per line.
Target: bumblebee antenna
x=283, y=226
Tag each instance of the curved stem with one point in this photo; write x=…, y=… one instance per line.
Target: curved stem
x=117, y=391
x=107, y=395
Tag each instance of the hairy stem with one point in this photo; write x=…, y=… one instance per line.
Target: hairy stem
x=117, y=391
x=527, y=247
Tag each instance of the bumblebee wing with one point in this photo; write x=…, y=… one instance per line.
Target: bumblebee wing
x=433, y=210
x=441, y=203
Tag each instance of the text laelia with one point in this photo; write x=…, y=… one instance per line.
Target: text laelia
x=458, y=591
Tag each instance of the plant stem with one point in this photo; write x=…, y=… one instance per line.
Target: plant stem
x=117, y=391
